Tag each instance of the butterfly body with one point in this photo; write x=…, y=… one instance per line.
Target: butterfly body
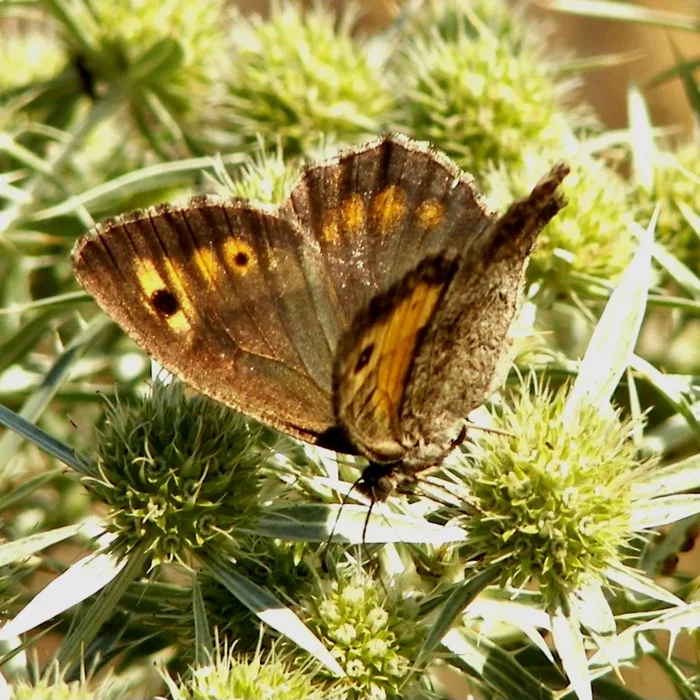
x=368, y=314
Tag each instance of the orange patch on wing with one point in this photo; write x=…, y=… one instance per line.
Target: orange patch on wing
x=239, y=256
x=152, y=282
x=399, y=345
x=429, y=214
x=389, y=207
x=353, y=213
x=207, y=262
x=330, y=230
x=395, y=342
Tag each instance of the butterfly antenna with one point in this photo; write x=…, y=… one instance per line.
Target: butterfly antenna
x=364, y=527
x=343, y=502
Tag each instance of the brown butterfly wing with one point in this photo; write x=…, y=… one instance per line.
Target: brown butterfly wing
x=376, y=211
x=465, y=354
x=434, y=347
x=376, y=355
x=223, y=295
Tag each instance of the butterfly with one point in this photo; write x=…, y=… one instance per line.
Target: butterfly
x=368, y=314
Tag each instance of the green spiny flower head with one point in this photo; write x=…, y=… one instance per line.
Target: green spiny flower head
x=453, y=18
x=175, y=471
x=677, y=190
x=479, y=102
x=127, y=29
x=372, y=634
x=265, y=177
x=262, y=676
x=50, y=685
x=300, y=73
x=26, y=57
x=592, y=234
x=552, y=501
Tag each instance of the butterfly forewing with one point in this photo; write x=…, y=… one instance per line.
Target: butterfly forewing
x=193, y=286
x=377, y=211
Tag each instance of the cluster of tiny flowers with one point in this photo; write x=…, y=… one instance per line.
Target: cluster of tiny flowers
x=372, y=635
x=479, y=102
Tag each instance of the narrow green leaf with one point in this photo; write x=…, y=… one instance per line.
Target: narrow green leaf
x=497, y=605
x=315, y=522
x=639, y=583
x=494, y=665
x=115, y=577
x=24, y=339
x=670, y=388
x=692, y=90
x=42, y=440
x=59, y=302
x=585, y=64
x=643, y=147
x=682, y=274
x=625, y=12
x=568, y=640
x=74, y=585
x=669, y=479
x=203, y=642
x=674, y=621
x=671, y=74
x=25, y=547
x=269, y=609
x=615, y=336
x=462, y=594
x=12, y=498
x=58, y=373
x=662, y=511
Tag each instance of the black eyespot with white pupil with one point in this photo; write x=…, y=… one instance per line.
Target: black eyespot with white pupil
x=164, y=302
x=364, y=358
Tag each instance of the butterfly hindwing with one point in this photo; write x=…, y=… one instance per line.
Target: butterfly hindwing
x=375, y=358
x=194, y=286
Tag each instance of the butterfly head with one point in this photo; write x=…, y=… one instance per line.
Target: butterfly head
x=379, y=481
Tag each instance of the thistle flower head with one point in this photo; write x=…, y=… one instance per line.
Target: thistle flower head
x=265, y=177
x=478, y=101
x=262, y=675
x=127, y=29
x=592, y=234
x=175, y=471
x=300, y=73
x=50, y=685
x=454, y=18
x=552, y=501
